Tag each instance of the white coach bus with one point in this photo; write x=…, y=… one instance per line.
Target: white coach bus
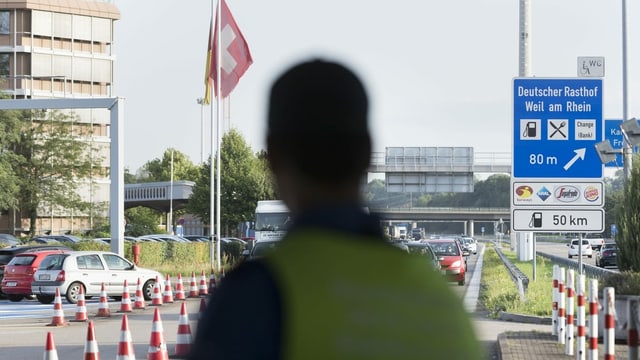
x=272, y=220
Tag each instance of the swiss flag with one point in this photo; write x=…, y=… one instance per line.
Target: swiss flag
x=235, y=56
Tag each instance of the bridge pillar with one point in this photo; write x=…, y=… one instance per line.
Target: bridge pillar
x=470, y=228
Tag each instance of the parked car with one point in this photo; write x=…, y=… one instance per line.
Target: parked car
x=574, y=249
x=8, y=240
x=49, y=239
x=18, y=273
x=6, y=254
x=197, y=238
x=452, y=260
x=607, y=255
x=89, y=269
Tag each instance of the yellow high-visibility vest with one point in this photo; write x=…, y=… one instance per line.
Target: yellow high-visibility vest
x=353, y=298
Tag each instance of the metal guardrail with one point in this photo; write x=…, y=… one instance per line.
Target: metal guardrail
x=589, y=271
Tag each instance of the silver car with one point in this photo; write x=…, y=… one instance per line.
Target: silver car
x=89, y=270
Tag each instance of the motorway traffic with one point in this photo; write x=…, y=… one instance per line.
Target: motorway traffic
x=24, y=325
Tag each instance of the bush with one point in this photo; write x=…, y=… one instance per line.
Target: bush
x=625, y=283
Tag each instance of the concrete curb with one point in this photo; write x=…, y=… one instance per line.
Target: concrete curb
x=529, y=319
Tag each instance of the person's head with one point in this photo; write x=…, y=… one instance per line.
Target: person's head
x=318, y=140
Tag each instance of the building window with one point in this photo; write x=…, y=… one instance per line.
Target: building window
x=4, y=22
x=4, y=65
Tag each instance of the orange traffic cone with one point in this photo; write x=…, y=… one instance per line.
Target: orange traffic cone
x=125, y=346
x=139, y=300
x=193, y=288
x=50, y=352
x=212, y=282
x=91, y=351
x=167, y=295
x=156, y=298
x=58, y=313
x=157, y=346
x=203, y=285
x=125, y=302
x=81, y=307
x=103, y=308
x=179, y=289
x=183, y=340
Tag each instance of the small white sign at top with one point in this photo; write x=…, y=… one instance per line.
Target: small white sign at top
x=591, y=66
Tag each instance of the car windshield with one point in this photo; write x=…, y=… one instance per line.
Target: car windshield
x=23, y=260
x=446, y=249
x=261, y=248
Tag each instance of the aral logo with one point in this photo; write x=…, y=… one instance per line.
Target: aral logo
x=566, y=193
x=543, y=193
x=591, y=193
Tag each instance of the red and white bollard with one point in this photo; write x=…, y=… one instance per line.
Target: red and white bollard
x=570, y=285
x=554, y=309
x=593, y=319
x=561, y=302
x=609, y=336
x=582, y=331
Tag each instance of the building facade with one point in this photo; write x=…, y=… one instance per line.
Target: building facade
x=62, y=49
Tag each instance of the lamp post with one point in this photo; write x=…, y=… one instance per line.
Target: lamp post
x=200, y=101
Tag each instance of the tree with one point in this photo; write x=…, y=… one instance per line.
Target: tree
x=160, y=169
x=628, y=238
x=243, y=182
x=9, y=134
x=50, y=161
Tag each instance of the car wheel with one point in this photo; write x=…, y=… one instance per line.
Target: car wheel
x=147, y=289
x=15, y=298
x=45, y=299
x=117, y=298
x=461, y=282
x=590, y=256
x=72, y=292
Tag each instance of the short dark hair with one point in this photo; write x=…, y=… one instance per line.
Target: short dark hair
x=318, y=114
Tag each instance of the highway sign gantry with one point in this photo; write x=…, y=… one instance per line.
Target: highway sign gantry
x=557, y=123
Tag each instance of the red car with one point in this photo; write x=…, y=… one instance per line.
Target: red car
x=453, y=264
x=18, y=273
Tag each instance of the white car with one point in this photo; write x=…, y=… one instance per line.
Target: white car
x=471, y=244
x=586, y=248
x=89, y=270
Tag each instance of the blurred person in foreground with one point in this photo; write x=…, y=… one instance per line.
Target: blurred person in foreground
x=334, y=288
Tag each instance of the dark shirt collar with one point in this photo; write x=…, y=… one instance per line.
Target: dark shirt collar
x=351, y=219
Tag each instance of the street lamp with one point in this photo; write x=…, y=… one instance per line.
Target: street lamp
x=200, y=101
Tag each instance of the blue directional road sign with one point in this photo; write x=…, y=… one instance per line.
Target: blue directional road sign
x=557, y=123
x=613, y=133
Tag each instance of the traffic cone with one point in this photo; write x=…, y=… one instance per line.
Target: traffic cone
x=139, y=300
x=212, y=282
x=156, y=298
x=125, y=346
x=81, y=307
x=125, y=302
x=203, y=307
x=183, y=340
x=50, y=352
x=91, y=351
x=179, y=289
x=193, y=288
x=58, y=313
x=203, y=285
x=157, y=346
x=103, y=308
x=167, y=295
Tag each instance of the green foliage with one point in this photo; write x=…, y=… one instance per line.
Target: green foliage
x=628, y=238
x=499, y=292
x=142, y=221
x=625, y=283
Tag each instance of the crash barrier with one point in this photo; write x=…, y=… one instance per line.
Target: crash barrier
x=620, y=320
x=519, y=278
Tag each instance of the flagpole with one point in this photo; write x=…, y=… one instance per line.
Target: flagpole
x=211, y=177
x=218, y=117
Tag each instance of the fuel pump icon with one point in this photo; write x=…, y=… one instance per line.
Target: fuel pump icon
x=536, y=220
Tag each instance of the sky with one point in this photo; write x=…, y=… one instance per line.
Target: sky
x=438, y=73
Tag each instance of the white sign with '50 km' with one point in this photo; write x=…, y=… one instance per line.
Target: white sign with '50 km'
x=558, y=220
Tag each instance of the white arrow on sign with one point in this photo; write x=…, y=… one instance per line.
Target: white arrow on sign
x=579, y=155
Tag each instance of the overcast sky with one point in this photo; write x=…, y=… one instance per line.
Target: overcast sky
x=439, y=73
